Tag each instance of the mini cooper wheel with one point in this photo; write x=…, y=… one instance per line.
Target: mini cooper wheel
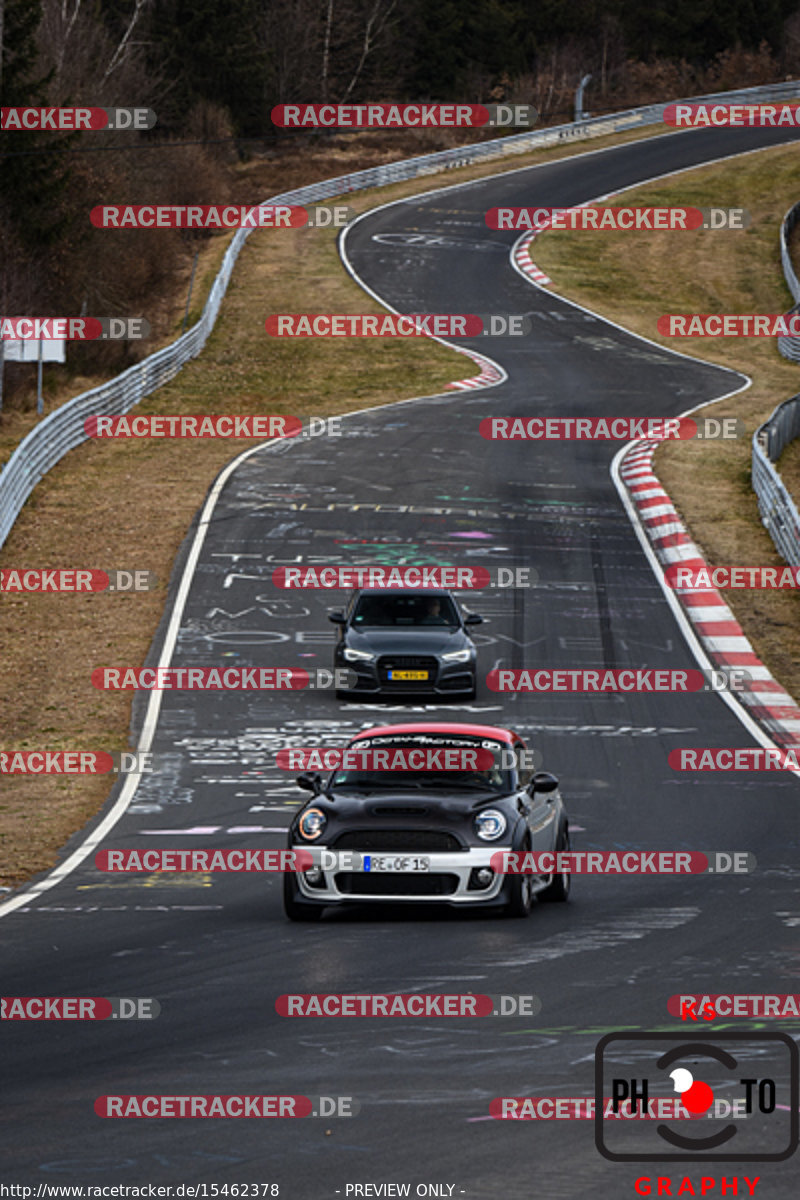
x=520, y=898
x=558, y=889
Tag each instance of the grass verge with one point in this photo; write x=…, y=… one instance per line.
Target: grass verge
x=622, y=276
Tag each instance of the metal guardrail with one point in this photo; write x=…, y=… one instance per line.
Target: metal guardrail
x=778, y=511
x=63, y=429
x=790, y=346
x=788, y=226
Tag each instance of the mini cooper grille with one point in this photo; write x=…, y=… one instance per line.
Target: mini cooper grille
x=406, y=840
x=399, y=810
x=396, y=884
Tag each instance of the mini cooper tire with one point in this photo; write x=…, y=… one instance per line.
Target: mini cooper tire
x=557, y=890
x=520, y=892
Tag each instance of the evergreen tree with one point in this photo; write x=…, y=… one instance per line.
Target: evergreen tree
x=211, y=51
x=31, y=184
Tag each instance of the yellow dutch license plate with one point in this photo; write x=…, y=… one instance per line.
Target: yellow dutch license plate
x=407, y=676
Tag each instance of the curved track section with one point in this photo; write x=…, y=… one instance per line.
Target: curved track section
x=412, y=483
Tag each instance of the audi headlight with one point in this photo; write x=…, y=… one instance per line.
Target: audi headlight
x=457, y=656
x=312, y=823
x=358, y=655
x=490, y=824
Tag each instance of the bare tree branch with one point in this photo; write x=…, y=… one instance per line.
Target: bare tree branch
x=376, y=23
x=119, y=53
x=326, y=49
x=68, y=23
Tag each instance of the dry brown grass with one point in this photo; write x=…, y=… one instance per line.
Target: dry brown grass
x=708, y=272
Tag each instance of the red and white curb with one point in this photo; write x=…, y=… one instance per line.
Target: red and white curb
x=490, y=374
x=715, y=626
x=522, y=258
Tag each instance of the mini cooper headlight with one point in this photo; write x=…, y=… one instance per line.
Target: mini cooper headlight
x=457, y=656
x=490, y=824
x=358, y=655
x=312, y=823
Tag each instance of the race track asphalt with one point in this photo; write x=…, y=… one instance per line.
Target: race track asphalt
x=415, y=483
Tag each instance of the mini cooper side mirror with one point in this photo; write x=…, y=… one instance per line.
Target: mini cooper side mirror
x=473, y=619
x=309, y=783
x=338, y=618
x=543, y=781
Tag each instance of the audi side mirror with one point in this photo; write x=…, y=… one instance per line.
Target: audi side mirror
x=338, y=618
x=473, y=619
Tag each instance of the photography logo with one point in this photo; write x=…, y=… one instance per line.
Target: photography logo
x=740, y=1091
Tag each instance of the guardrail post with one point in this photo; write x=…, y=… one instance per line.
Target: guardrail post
x=580, y=115
x=39, y=399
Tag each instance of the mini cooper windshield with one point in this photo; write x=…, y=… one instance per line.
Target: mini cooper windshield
x=495, y=779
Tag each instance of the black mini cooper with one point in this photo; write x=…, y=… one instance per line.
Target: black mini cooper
x=427, y=835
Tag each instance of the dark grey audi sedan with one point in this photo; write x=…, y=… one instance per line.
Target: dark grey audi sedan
x=406, y=642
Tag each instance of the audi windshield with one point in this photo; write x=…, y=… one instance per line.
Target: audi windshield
x=389, y=611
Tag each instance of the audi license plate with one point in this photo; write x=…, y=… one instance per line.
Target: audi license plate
x=406, y=676
x=403, y=863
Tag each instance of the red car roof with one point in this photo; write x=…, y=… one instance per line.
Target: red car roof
x=488, y=731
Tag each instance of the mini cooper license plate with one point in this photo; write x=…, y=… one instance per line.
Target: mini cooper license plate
x=407, y=676
x=402, y=863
